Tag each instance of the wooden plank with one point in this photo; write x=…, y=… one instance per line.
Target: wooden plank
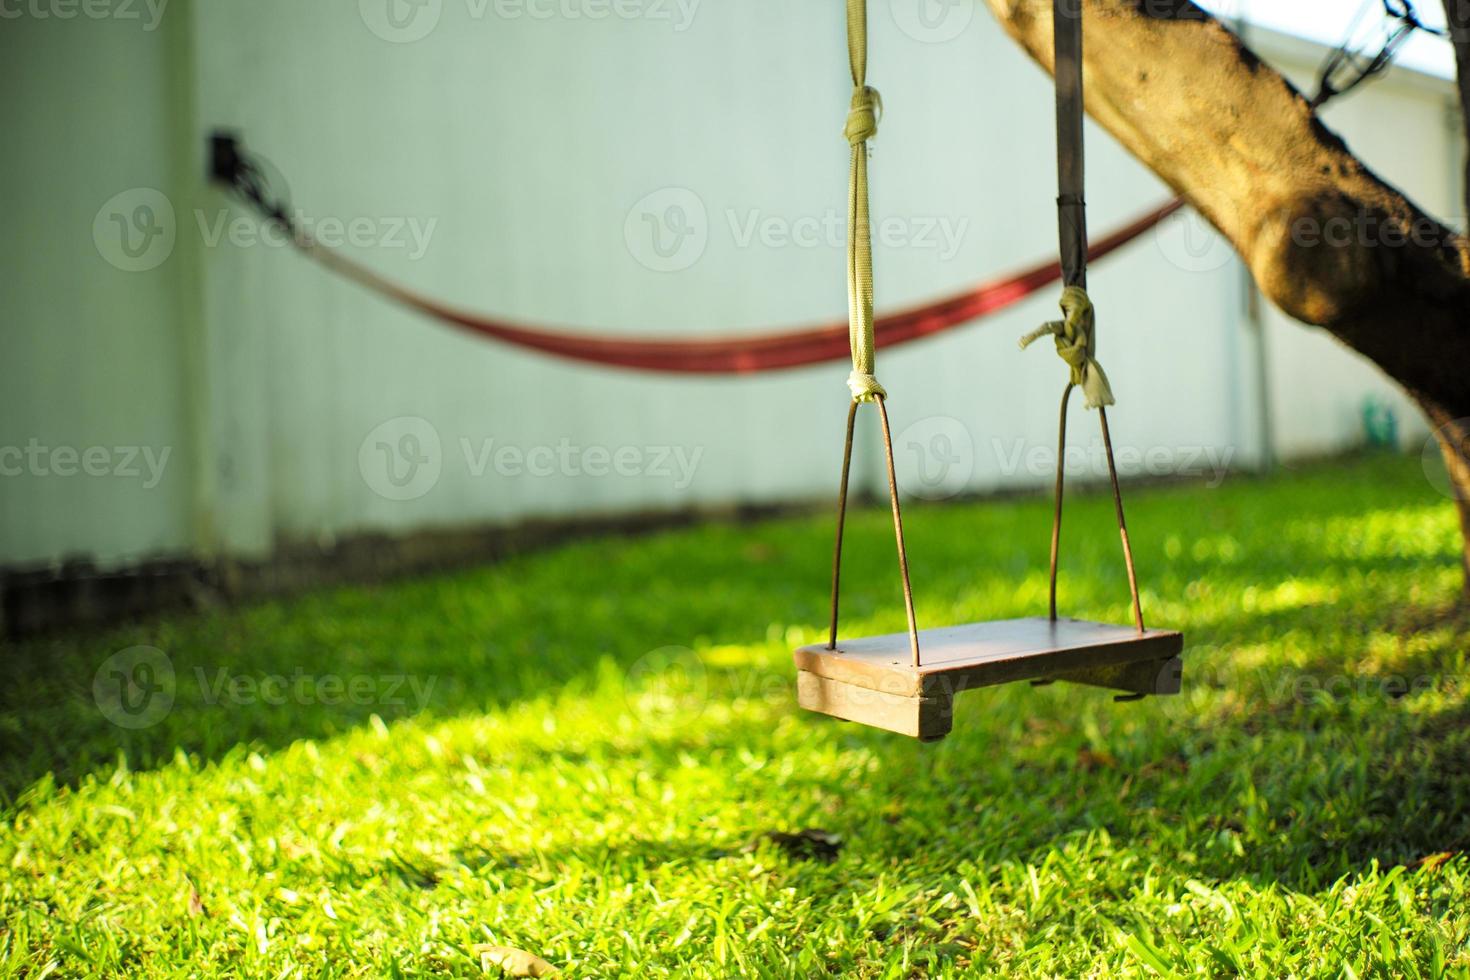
x=1161, y=677
x=958, y=658
x=918, y=717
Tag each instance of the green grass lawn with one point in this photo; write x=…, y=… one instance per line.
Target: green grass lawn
x=578, y=753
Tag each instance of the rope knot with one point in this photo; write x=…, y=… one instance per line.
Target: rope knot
x=1074, y=339
x=863, y=115
x=864, y=387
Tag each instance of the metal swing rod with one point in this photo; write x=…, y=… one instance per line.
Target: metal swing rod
x=1072, y=229
x=866, y=680
x=903, y=557
x=1072, y=232
x=862, y=124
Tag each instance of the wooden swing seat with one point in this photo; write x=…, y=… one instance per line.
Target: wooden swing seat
x=873, y=681
x=907, y=682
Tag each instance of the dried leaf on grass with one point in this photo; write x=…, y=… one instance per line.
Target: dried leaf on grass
x=1432, y=862
x=812, y=842
x=514, y=962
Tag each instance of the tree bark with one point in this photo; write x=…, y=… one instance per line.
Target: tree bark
x=1457, y=17
x=1325, y=239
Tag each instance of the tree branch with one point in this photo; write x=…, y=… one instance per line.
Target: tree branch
x=1324, y=237
x=1457, y=16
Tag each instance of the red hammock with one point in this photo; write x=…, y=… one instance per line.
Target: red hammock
x=757, y=352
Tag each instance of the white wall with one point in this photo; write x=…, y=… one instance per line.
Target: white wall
x=92, y=358
x=528, y=143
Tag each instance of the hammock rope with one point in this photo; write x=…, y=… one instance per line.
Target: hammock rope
x=729, y=354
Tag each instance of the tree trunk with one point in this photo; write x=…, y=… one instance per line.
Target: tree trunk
x=1326, y=240
x=1457, y=16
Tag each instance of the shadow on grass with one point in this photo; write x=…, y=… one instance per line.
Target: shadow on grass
x=1301, y=787
x=1297, y=794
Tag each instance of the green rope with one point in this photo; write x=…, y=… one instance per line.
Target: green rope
x=1076, y=345
x=862, y=125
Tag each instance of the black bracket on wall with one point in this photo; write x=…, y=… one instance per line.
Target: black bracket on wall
x=225, y=156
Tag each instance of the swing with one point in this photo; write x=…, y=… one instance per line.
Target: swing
x=907, y=682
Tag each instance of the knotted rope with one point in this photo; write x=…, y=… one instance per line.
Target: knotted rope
x=1075, y=345
x=862, y=125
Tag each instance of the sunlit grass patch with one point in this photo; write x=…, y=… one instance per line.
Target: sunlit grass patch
x=584, y=754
